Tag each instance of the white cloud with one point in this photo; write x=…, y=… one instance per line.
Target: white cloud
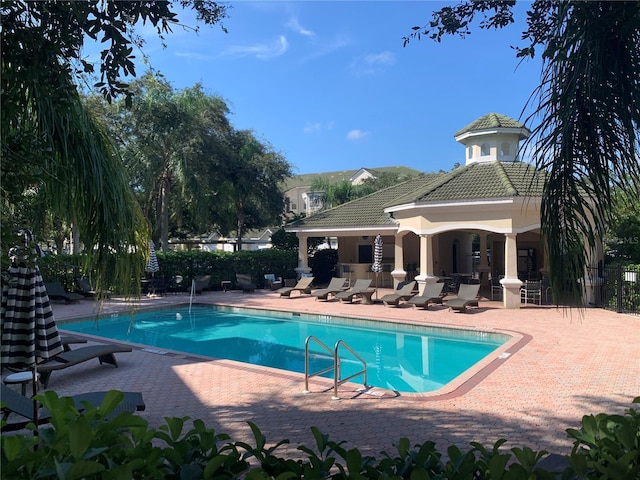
x=312, y=127
x=263, y=51
x=321, y=49
x=356, y=134
x=294, y=25
x=372, y=63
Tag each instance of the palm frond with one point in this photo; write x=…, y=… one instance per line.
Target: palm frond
x=587, y=138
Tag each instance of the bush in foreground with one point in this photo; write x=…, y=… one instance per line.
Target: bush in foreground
x=95, y=444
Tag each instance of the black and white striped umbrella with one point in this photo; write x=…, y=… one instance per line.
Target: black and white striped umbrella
x=377, y=255
x=152, y=265
x=377, y=259
x=29, y=332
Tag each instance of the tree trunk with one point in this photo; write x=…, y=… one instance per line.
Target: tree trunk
x=240, y=228
x=165, y=188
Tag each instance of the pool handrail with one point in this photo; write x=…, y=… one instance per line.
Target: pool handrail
x=335, y=367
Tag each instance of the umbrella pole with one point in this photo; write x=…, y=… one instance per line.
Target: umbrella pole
x=33, y=398
x=377, y=273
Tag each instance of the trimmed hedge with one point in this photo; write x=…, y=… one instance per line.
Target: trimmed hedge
x=220, y=265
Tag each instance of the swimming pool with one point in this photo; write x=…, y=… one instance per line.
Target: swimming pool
x=404, y=358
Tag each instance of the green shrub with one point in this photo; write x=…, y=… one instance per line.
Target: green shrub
x=189, y=264
x=97, y=445
x=323, y=265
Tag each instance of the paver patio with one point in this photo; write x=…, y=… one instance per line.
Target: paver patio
x=563, y=364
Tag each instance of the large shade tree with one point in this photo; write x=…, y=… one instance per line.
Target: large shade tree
x=175, y=144
x=253, y=179
x=587, y=112
x=48, y=142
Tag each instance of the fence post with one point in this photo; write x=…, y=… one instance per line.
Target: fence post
x=620, y=286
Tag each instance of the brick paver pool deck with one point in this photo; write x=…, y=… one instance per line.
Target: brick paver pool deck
x=560, y=365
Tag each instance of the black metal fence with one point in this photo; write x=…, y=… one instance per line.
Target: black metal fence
x=619, y=289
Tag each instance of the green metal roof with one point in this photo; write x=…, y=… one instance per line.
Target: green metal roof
x=491, y=121
x=477, y=181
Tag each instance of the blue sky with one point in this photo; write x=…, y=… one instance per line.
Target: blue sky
x=331, y=87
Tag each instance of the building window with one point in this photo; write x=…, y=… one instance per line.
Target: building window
x=505, y=149
x=485, y=149
x=470, y=151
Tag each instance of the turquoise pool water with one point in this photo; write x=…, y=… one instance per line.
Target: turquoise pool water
x=402, y=358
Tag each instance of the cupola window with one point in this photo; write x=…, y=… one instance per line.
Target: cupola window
x=485, y=150
x=505, y=149
x=470, y=152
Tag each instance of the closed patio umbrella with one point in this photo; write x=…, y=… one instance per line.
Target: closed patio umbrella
x=377, y=259
x=29, y=334
x=153, y=266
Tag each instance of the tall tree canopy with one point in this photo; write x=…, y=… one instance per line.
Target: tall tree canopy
x=192, y=172
x=587, y=112
x=252, y=184
x=48, y=142
x=175, y=145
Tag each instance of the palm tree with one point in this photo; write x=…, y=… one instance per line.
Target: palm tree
x=588, y=109
x=175, y=146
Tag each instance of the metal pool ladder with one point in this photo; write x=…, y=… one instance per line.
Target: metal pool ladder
x=335, y=367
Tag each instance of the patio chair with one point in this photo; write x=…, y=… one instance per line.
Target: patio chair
x=271, y=282
x=496, y=288
x=467, y=297
x=336, y=285
x=432, y=293
x=531, y=291
x=22, y=406
x=88, y=290
x=104, y=353
x=245, y=283
x=201, y=283
x=56, y=291
x=361, y=285
x=405, y=292
x=303, y=286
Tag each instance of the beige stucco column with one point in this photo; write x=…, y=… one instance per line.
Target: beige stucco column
x=426, y=260
x=483, y=267
x=511, y=283
x=303, y=266
x=399, y=274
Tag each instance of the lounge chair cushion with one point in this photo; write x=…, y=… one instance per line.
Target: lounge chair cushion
x=271, y=282
x=303, y=286
x=336, y=285
x=104, y=353
x=467, y=297
x=361, y=285
x=403, y=293
x=432, y=294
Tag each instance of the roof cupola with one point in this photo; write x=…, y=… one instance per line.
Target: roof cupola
x=492, y=137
